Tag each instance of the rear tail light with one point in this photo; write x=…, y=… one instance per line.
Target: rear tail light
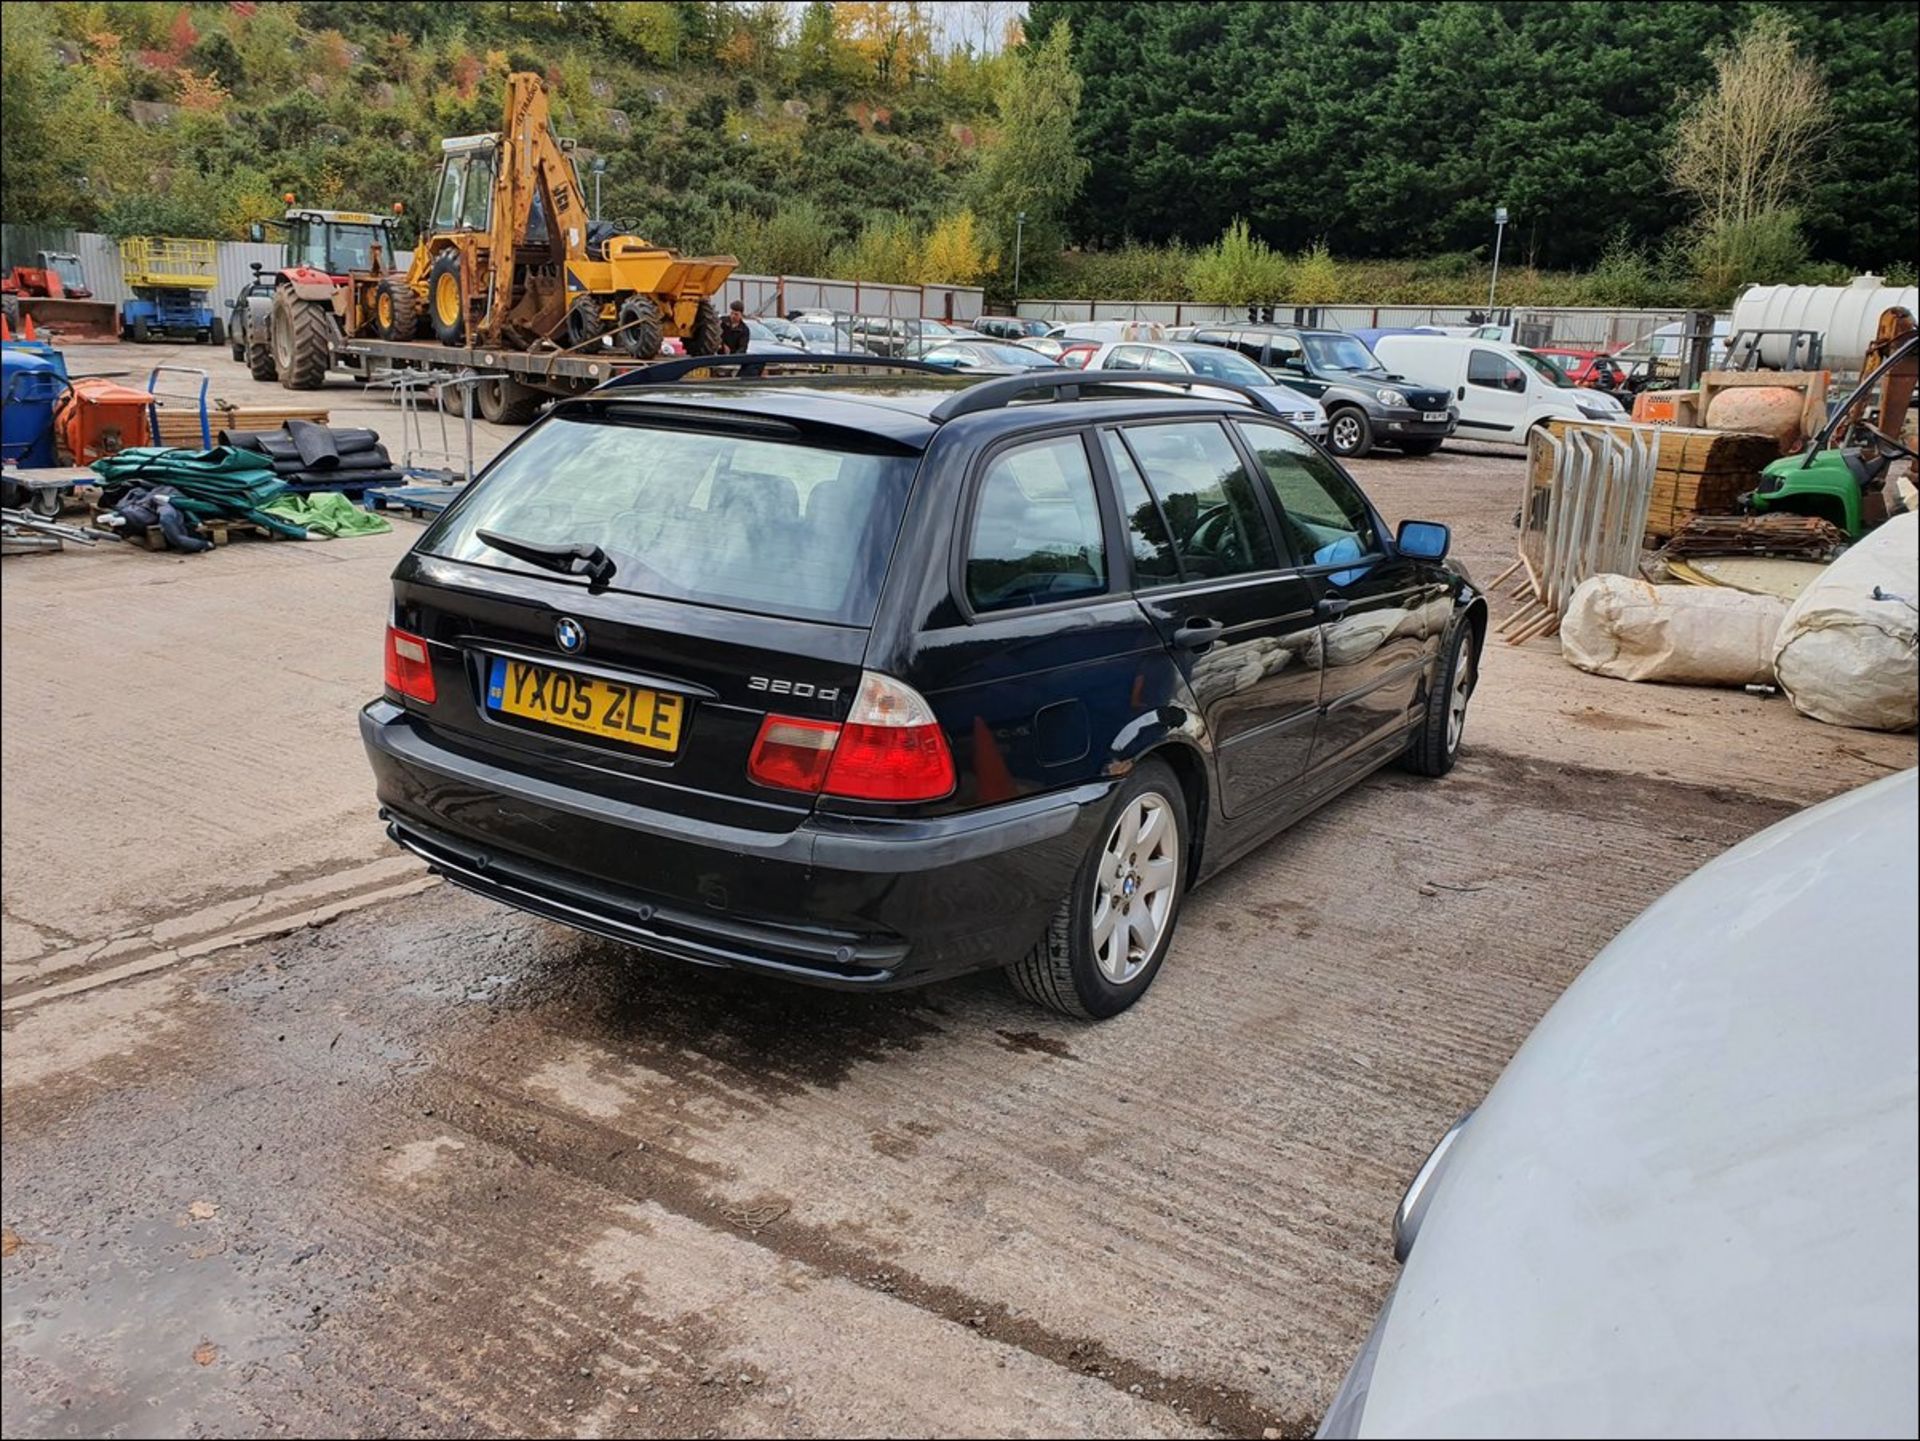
x=890, y=748
x=409, y=671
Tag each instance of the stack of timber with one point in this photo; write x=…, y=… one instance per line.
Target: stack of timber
x=181, y=425
x=1696, y=472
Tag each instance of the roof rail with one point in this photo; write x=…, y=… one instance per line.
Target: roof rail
x=1066, y=384
x=662, y=371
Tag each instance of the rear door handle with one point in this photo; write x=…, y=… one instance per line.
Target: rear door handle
x=1198, y=634
x=1331, y=607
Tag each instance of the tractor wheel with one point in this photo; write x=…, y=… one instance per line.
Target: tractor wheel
x=505, y=401
x=138, y=330
x=259, y=339
x=302, y=333
x=237, y=335
x=216, y=331
x=584, y=325
x=396, y=310
x=447, y=299
x=640, y=329
x=705, y=337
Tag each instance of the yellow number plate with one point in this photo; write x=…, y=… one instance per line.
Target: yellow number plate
x=631, y=714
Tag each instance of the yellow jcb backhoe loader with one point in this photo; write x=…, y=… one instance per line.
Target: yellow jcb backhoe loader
x=511, y=259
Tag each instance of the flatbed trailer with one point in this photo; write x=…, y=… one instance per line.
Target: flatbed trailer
x=514, y=383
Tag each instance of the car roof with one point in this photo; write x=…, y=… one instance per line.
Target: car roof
x=894, y=408
x=1697, y=1175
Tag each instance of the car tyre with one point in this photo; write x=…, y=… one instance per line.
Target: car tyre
x=1108, y=939
x=1349, y=433
x=1435, y=743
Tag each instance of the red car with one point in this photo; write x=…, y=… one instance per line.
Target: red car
x=1595, y=368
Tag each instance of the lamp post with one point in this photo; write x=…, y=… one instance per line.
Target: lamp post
x=1019, y=226
x=1499, y=229
x=597, y=169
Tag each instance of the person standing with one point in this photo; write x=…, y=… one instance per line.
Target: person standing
x=733, y=330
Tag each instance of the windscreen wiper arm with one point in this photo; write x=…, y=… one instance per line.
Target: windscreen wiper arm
x=588, y=560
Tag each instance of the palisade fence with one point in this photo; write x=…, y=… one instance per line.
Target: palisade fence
x=761, y=294
x=1576, y=328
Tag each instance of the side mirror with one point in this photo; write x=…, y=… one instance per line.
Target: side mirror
x=256, y=232
x=257, y=267
x=1294, y=362
x=1424, y=539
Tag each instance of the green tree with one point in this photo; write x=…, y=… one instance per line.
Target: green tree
x=1033, y=165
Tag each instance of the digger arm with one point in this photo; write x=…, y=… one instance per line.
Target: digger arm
x=531, y=165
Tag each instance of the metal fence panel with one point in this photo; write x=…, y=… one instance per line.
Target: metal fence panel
x=761, y=294
x=1573, y=327
x=779, y=294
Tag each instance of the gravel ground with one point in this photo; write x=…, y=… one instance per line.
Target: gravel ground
x=431, y=1166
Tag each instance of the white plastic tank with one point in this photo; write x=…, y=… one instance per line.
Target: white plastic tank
x=1847, y=317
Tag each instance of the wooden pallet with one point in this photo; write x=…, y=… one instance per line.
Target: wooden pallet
x=181, y=427
x=220, y=532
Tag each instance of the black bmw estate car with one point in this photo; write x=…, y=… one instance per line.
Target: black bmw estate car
x=871, y=680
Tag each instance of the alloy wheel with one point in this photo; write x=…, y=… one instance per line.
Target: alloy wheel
x=1346, y=433
x=1457, y=702
x=1133, y=894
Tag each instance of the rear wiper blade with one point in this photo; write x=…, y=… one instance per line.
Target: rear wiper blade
x=588, y=560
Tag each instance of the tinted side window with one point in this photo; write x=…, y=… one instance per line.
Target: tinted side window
x=1036, y=529
x=1208, y=502
x=1495, y=372
x=1287, y=353
x=1125, y=357
x=1165, y=360
x=1154, y=560
x=1325, y=518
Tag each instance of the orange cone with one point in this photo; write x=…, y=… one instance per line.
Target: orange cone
x=26, y=328
x=6, y=330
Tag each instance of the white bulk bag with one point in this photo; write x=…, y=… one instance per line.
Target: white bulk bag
x=1846, y=658
x=1618, y=626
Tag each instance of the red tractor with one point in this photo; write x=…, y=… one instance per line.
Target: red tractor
x=283, y=323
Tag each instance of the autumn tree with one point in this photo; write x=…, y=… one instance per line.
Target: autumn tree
x=1744, y=151
x=893, y=38
x=1745, y=148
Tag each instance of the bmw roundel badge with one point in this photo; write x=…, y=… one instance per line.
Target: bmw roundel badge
x=569, y=635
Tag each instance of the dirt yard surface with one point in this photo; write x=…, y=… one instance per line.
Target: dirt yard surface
x=426, y=1165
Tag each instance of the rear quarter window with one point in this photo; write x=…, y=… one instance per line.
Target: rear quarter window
x=1036, y=536
x=772, y=527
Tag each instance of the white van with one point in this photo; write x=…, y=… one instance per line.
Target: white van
x=1111, y=331
x=1502, y=391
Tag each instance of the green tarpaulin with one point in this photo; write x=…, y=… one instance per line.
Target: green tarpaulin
x=218, y=483
x=326, y=514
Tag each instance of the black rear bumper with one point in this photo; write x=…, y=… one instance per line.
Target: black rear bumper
x=838, y=901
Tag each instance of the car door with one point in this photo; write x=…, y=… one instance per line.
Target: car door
x=1493, y=402
x=1287, y=362
x=1237, y=619
x=1381, y=613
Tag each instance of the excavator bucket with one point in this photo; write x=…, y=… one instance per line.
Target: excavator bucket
x=64, y=320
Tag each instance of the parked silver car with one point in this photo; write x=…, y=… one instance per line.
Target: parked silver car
x=1210, y=362
x=1688, y=1207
